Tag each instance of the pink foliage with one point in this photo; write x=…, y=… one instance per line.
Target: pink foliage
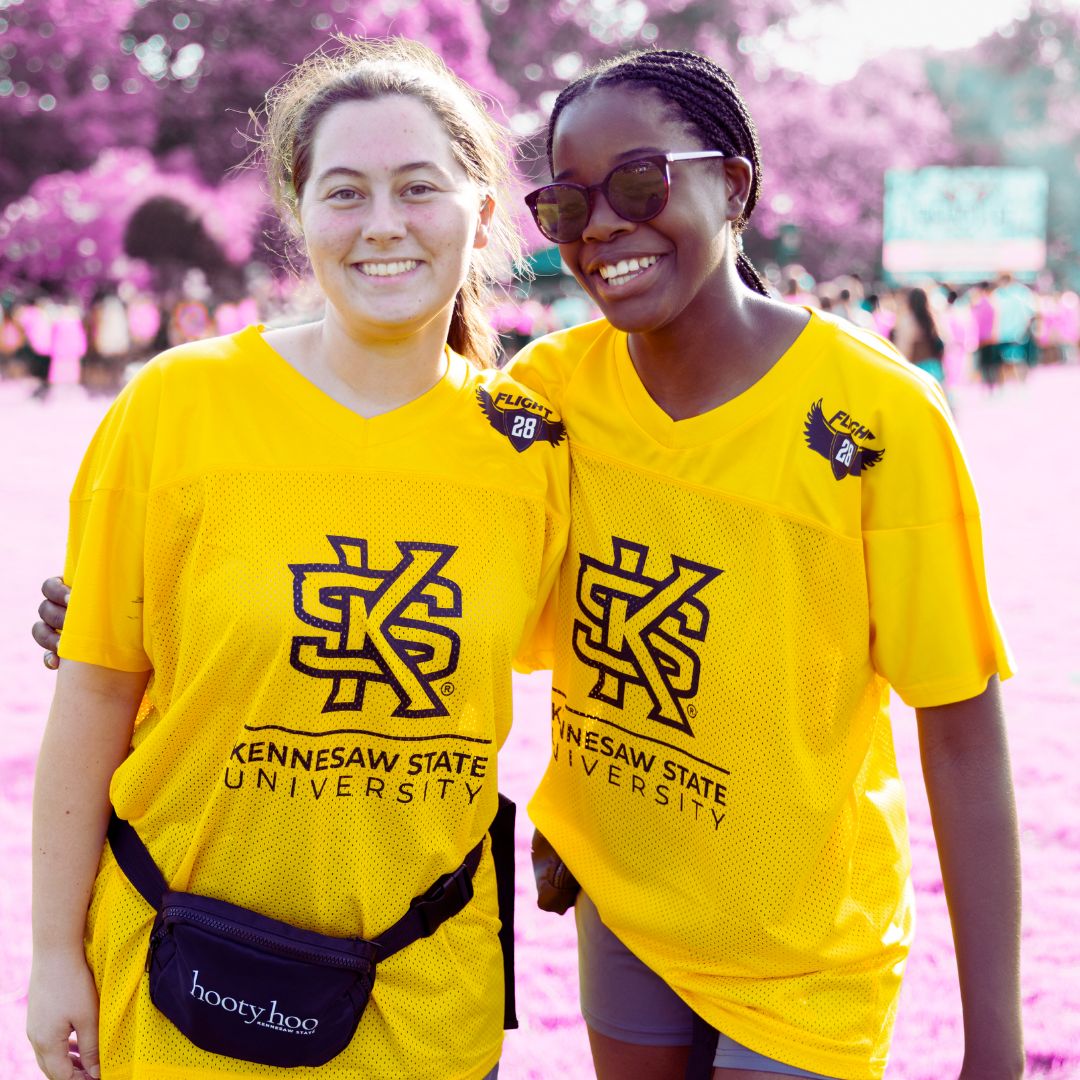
x=68, y=229
x=826, y=149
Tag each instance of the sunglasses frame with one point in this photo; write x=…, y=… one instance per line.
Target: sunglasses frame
x=662, y=161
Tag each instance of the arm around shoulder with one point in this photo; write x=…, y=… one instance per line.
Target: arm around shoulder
x=965, y=760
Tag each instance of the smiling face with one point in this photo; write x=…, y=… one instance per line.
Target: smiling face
x=389, y=217
x=647, y=276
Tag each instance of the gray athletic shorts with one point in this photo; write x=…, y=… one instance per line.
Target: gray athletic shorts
x=623, y=999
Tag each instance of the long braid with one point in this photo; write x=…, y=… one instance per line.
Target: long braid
x=703, y=96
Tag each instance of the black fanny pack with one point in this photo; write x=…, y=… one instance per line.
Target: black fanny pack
x=238, y=983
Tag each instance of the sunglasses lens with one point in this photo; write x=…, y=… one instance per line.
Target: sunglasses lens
x=637, y=191
x=561, y=212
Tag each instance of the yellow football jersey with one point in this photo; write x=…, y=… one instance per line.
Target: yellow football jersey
x=740, y=590
x=330, y=606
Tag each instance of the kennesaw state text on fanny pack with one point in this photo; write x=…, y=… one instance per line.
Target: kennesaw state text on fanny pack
x=349, y=771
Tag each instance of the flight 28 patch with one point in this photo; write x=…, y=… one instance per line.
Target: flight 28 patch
x=834, y=440
x=522, y=420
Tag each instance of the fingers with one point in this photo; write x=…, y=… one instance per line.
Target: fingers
x=85, y=1060
x=54, y=1060
x=45, y=635
x=55, y=590
x=52, y=614
x=65, y=1059
x=62, y=1017
x=52, y=610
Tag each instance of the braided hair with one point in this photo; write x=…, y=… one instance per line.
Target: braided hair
x=703, y=96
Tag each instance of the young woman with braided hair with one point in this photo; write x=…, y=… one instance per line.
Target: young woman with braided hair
x=771, y=523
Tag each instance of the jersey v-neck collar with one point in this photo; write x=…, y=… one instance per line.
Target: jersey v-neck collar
x=727, y=418
x=424, y=411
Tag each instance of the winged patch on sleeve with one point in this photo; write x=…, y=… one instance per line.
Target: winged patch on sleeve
x=846, y=456
x=522, y=427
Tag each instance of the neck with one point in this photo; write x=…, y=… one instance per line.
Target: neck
x=717, y=348
x=374, y=374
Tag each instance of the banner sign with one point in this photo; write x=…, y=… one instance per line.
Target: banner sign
x=964, y=224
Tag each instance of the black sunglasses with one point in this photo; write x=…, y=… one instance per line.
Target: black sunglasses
x=636, y=191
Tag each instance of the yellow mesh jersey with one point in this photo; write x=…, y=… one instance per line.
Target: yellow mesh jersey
x=330, y=606
x=740, y=589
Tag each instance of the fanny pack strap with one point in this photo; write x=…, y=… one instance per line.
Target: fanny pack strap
x=429, y=911
x=426, y=913
x=133, y=858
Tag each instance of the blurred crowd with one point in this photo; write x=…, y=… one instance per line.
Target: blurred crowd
x=98, y=344
x=992, y=331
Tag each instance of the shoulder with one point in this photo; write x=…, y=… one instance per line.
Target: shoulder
x=185, y=373
x=872, y=366
x=209, y=354
x=514, y=409
x=548, y=364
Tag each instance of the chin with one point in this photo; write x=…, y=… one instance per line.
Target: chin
x=632, y=318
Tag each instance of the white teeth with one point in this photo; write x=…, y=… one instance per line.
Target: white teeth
x=622, y=271
x=372, y=269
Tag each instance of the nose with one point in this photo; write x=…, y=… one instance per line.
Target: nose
x=603, y=222
x=385, y=219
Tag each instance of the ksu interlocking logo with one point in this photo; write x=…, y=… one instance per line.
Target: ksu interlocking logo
x=383, y=626
x=638, y=629
x=835, y=441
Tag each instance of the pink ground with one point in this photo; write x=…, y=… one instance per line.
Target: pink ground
x=1019, y=446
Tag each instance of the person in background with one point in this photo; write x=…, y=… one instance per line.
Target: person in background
x=772, y=525
x=882, y=314
x=145, y=323
x=848, y=308
x=1014, y=303
x=985, y=314
x=917, y=336
x=108, y=339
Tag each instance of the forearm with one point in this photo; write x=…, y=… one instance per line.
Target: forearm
x=87, y=736
x=969, y=787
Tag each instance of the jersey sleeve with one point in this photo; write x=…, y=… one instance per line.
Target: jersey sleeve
x=545, y=365
x=107, y=526
x=537, y=648
x=933, y=632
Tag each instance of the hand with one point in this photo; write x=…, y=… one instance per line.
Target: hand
x=63, y=1000
x=52, y=611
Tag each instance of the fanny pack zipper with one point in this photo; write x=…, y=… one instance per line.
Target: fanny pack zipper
x=281, y=946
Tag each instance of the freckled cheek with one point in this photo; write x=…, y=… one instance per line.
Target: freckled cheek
x=441, y=228
x=331, y=235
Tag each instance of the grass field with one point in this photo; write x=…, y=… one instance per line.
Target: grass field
x=1019, y=446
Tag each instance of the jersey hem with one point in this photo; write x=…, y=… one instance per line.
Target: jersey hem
x=152, y=1071
x=834, y=1065
x=930, y=695
x=103, y=654
x=839, y=1066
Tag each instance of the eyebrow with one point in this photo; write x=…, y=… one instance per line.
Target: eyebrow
x=626, y=155
x=357, y=174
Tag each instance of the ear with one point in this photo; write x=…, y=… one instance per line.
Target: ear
x=738, y=179
x=483, y=226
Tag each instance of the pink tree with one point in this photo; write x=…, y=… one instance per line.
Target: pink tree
x=68, y=230
x=826, y=150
